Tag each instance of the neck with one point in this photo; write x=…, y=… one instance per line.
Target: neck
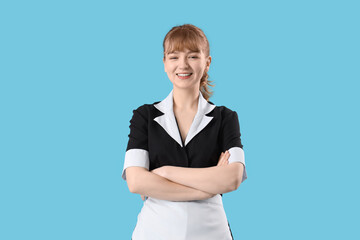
x=185, y=99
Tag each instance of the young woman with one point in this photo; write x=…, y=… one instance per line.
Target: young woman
x=184, y=152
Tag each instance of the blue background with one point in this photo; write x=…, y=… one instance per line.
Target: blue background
x=72, y=72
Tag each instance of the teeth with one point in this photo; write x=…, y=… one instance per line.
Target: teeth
x=184, y=75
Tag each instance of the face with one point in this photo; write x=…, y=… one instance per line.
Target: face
x=185, y=68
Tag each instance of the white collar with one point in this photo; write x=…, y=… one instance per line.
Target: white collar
x=168, y=121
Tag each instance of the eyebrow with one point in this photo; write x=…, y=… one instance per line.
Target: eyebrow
x=188, y=52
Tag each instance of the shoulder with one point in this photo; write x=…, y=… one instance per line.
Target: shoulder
x=225, y=112
x=142, y=109
x=227, y=117
x=147, y=111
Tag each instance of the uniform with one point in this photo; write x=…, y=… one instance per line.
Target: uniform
x=155, y=141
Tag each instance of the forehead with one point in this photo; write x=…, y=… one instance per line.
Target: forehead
x=180, y=42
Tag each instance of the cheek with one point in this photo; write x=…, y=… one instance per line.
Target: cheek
x=201, y=69
x=169, y=68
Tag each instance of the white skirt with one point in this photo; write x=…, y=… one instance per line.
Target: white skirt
x=190, y=220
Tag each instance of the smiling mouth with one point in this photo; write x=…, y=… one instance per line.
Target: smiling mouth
x=183, y=74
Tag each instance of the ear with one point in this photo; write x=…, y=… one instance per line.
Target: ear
x=208, y=61
x=164, y=64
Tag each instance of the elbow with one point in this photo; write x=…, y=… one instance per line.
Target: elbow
x=131, y=179
x=131, y=187
x=236, y=183
x=237, y=177
x=233, y=185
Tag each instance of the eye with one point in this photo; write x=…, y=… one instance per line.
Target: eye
x=194, y=57
x=173, y=58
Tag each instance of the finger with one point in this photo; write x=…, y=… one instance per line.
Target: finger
x=220, y=159
x=225, y=158
x=223, y=161
x=227, y=155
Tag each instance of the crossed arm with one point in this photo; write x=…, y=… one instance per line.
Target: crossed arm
x=184, y=184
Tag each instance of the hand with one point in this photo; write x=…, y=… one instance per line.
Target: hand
x=161, y=171
x=224, y=158
x=143, y=197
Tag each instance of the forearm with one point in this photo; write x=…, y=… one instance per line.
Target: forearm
x=215, y=180
x=152, y=185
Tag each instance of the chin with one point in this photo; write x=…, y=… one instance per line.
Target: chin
x=185, y=86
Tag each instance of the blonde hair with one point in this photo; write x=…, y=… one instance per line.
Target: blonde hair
x=190, y=37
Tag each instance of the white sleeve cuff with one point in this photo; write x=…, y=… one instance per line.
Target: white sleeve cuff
x=135, y=158
x=237, y=155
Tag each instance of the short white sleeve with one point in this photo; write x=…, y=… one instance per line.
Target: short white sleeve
x=135, y=158
x=237, y=155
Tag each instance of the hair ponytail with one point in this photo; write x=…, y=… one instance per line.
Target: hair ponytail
x=204, y=86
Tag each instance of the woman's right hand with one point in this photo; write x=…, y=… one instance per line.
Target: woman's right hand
x=224, y=158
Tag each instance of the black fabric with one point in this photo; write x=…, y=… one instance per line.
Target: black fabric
x=138, y=137
x=230, y=131
x=230, y=231
x=203, y=150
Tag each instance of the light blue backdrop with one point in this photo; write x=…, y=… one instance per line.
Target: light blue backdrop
x=72, y=72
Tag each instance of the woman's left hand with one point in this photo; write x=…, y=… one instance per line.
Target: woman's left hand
x=161, y=171
x=224, y=158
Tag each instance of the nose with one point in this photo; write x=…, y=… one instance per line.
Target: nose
x=183, y=63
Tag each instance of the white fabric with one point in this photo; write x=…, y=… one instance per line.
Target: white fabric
x=136, y=158
x=237, y=155
x=168, y=122
x=189, y=220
